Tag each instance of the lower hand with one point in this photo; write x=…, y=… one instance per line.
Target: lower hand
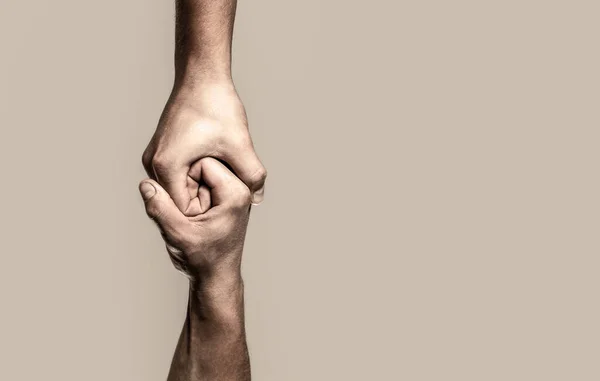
x=207, y=244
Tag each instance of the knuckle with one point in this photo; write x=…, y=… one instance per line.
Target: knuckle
x=147, y=157
x=154, y=212
x=260, y=176
x=161, y=163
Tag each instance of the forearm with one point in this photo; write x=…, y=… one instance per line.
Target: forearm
x=212, y=345
x=204, y=30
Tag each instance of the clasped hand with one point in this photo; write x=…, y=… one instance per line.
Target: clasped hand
x=200, y=206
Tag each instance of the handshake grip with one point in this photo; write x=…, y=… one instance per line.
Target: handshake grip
x=208, y=238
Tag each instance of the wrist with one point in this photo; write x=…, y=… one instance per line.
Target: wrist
x=196, y=71
x=217, y=283
x=218, y=300
x=203, y=89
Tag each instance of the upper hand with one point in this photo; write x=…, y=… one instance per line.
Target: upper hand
x=206, y=120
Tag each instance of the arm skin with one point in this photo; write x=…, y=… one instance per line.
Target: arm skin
x=207, y=247
x=204, y=116
x=212, y=345
x=203, y=35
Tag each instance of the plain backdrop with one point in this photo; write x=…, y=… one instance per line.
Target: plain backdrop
x=432, y=206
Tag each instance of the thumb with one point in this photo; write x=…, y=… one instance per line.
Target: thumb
x=175, y=183
x=161, y=208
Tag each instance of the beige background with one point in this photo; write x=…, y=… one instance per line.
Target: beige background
x=432, y=209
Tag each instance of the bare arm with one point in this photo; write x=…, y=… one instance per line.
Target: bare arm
x=204, y=30
x=207, y=246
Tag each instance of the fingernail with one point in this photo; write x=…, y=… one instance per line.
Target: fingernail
x=258, y=196
x=147, y=190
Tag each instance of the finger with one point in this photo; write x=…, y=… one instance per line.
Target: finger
x=204, y=198
x=248, y=167
x=161, y=208
x=174, y=180
x=225, y=187
x=199, y=193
